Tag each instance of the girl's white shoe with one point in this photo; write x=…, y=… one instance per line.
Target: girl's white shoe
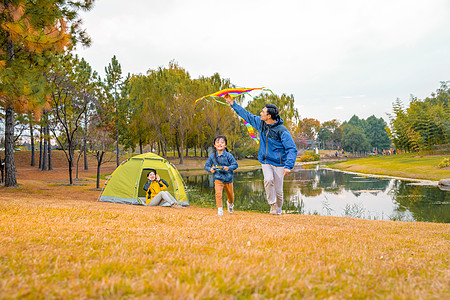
x=230, y=207
x=220, y=211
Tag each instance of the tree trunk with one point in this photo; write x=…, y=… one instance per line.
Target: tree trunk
x=85, y=143
x=10, y=165
x=180, y=151
x=99, y=163
x=117, y=138
x=165, y=150
x=50, y=166
x=186, y=144
x=140, y=145
x=85, y=155
x=72, y=154
x=78, y=160
x=2, y=169
x=44, y=155
x=32, y=144
x=70, y=163
x=40, y=148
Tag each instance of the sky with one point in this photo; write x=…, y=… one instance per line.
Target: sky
x=337, y=58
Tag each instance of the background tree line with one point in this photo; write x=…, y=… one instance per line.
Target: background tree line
x=425, y=124
x=354, y=135
x=54, y=95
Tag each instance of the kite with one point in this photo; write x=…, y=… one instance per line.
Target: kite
x=234, y=92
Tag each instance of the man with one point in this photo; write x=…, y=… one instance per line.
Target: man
x=277, y=150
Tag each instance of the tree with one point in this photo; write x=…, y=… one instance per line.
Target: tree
x=325, y=135
x=86, y=83
x=30, y=32
x=376, y=133
x=331, y=133
x=356, y=140
x=308, y=128
x=68, y=104
x=216, y=118
x=424, y=124
x=284, y=103
x=113, y=87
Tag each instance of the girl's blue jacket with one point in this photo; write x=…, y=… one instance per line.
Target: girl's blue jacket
x=225, y=159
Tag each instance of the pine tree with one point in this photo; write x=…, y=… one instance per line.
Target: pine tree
x=30, y=32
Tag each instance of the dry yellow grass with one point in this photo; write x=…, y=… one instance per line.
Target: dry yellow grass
x=72, y=249
x=56, y=241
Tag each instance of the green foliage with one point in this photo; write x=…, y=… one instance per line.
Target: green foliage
x=444, y=163
x=365, y=135
x=356, y=140
x=424, y=124
x=308, y=128
x=285, y=104
x=331, y=134
x=245, y=152
x=309, y=156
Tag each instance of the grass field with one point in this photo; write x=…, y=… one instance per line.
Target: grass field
x=55, y=248
x=401, y=165
x=58, y=242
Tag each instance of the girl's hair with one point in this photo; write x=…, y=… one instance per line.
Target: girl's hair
x=151, y=171
x=215, y=150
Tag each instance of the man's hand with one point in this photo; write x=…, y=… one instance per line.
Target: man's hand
x=286, y=171
x=157, y=177
x=212, y=170
x=229, y=99
x=226, y=168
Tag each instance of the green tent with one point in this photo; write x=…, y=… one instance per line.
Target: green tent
x=127, y=181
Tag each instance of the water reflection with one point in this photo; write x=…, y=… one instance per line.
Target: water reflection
x=328, y=192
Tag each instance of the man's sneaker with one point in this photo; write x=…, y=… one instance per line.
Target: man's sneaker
x=230, y=207
x=177, y=205
x=273, y=209
x=220, y=211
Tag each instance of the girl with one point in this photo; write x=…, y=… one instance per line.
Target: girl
x=156, y=195
x=222, y=164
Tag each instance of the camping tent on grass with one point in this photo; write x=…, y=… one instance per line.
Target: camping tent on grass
x=127, y=181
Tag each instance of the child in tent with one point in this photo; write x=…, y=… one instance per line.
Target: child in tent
x=222, y=164
x=156, y=195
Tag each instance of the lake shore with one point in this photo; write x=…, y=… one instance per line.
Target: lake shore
x=412, y=167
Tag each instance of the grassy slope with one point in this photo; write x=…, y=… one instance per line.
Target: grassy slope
x=72, y=249
x=403, y=165
x=58, y=242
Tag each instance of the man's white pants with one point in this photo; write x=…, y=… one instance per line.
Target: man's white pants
x=273, y=183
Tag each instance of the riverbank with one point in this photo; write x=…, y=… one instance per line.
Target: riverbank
x=401, y=166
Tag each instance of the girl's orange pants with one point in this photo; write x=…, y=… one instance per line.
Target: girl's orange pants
x=219, y=186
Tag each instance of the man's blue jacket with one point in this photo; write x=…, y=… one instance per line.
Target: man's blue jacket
x=276, y=145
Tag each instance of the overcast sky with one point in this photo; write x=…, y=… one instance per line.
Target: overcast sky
x=337, y=58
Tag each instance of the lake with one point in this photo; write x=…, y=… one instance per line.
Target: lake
x=319, y=191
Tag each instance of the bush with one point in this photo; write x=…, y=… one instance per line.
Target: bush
x=245, y=152
x=444, y=163
x=309, y=156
